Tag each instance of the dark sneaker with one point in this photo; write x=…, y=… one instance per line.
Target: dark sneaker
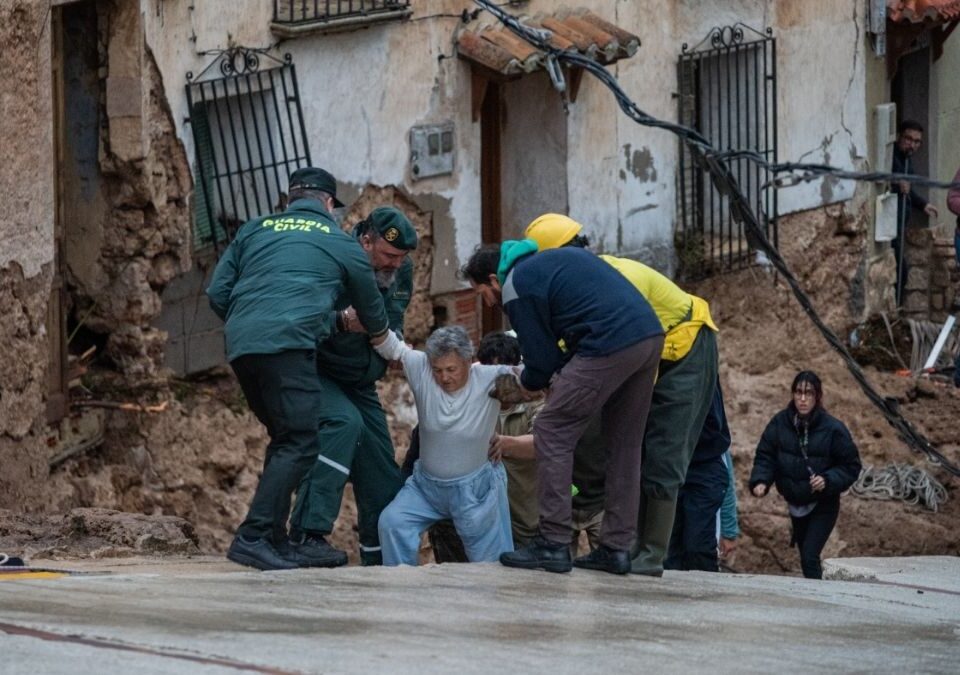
x=258, y=553
x=314, y=551
x=540, y=554
x=606, y=560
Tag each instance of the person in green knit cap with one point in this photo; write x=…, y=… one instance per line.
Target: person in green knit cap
x=276, y=287
x=682, y=395
x=354, y=438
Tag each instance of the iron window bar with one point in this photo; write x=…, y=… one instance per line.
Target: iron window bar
x=312, y=11
x=727, y=91
x=248, y=134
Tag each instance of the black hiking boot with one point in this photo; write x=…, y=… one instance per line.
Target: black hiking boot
x=313, y=551
x=606, y=560
x=540, y=554
x=258, y=553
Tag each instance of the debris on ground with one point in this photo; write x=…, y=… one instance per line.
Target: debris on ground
x=94, y=533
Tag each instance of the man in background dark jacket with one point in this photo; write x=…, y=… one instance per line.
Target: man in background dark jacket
x=909, y=140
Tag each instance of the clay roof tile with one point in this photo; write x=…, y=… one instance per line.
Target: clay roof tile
x=629, y=43
x=488, y=54
x=582, y=42
x=497, y=49
x=526, y=54
x=916, y=11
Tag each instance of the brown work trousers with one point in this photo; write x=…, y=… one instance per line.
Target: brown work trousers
x=620, y=385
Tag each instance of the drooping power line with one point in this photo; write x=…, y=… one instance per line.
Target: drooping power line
x=782, y=174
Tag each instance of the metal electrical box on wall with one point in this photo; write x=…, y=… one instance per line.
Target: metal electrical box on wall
x=431, y=150
x=885, y=127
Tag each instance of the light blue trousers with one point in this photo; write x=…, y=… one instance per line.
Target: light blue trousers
x=477, y=503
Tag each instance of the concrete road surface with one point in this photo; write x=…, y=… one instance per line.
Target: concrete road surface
x=209, y=616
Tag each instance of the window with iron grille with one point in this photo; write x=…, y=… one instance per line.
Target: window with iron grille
x=330, y=14
x=249, y=136
x=727, y=92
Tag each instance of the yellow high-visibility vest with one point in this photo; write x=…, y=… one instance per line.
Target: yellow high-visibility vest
x=681, y=314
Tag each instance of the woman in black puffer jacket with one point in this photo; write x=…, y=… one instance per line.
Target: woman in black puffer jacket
x=811, y=458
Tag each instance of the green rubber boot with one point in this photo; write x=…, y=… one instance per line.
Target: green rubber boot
x=654, y=527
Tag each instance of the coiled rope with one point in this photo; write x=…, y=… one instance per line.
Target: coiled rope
x=901, y=481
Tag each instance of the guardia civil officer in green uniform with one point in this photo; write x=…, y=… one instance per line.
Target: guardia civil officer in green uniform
x=275, y=287
x=354, y=439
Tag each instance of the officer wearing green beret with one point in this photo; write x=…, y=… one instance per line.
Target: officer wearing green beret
x=275, y=287
x=354, y=438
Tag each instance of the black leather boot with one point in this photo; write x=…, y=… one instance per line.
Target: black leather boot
x=258, y=553
x=314, y=551
x=540, y=554
x=606, y=560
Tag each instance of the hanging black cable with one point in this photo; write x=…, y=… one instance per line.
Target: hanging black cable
x=723, y=180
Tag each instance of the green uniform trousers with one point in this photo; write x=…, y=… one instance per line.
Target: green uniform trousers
x=681, y=401
x=283, y=392
x=354, y=445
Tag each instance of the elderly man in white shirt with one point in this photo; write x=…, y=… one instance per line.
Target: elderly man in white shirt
x=454, y=477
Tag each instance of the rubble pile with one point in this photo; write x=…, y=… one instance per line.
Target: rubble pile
x=95, y=533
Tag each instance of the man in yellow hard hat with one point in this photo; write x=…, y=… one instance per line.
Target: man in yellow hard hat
x=681, y=397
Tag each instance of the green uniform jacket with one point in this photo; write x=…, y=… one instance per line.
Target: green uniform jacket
x=348, y=358
x=276, y=284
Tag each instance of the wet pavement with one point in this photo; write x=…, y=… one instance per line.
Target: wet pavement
x=207, y=615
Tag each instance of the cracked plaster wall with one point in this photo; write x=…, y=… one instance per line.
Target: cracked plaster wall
x=821, y=112
x=363, y=90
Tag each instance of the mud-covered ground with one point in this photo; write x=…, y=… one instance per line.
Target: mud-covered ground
x=765, y=339
x=199, y=459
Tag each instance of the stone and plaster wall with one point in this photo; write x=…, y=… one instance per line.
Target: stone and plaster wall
x=944, y=146
x=124, y=180
x=26, y=245
x=119, y=262
x=930, y=291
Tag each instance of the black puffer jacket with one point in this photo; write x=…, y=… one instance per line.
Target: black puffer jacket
x=831, y=453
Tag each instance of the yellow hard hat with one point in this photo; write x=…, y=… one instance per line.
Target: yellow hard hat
x=552, y=230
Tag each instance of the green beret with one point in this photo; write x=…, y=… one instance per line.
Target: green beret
x=313, y=178
x=394, y=227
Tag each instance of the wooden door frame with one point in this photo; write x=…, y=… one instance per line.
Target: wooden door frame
x=57, y=379
x=491, y=196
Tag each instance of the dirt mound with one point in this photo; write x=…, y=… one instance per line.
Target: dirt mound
x=198, y=459
x=94, y=533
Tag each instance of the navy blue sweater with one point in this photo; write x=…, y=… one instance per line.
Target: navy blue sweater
x=715, y=436
x=570, y=294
